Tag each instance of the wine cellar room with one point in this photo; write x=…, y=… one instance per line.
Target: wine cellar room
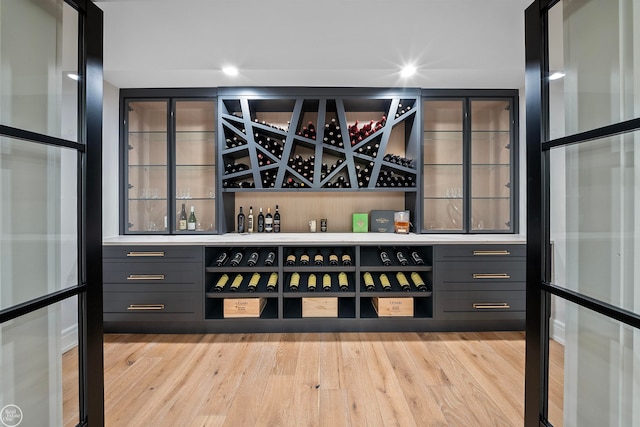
x=329, y=214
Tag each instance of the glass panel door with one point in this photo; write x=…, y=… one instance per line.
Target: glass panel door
x=443, y=163
x=195, y=154
x=147, y=139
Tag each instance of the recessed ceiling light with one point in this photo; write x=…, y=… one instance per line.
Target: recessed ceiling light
x=557, y=75
x=230, y=70
x=73, y=76
x=407, y=71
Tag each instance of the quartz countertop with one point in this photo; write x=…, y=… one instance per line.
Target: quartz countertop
x=263, y=239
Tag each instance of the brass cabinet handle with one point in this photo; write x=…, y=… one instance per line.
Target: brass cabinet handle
x=490, y=305
x=146, y=307
x=156, y=254
x=497, y=252
x=491, y=276
x=145, y=277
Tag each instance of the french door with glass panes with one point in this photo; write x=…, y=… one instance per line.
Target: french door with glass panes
x=50, y=221
x=583, y=214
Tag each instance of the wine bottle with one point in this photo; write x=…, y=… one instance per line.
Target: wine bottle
x=182, y=223
x=268, y=221
x=241, y=221
x=237, y=258
x=260, y=221
x=253, y=282
x=402, y=280
x=272, y=282
x=235, y=285
x=418, y=282
x=220, y=284
x=294, y=282
x=318, y=259
x=250, y=220
x=223, y=257
x=291, y=258
x=384, y=281
x=270, y=259
x=253, y=258
x=333, y=258
x=384, y=256
x=346, y=258
x=304, y=258
x=276, y=221
x=326, y=282
x=417, y=259
x=191, y=222
x=368, y=282
x=400, y=256
x=343, y=281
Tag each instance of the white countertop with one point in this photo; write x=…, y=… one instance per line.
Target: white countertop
x=235, y=239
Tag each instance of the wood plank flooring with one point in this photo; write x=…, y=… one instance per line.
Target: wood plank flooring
x=325, y=379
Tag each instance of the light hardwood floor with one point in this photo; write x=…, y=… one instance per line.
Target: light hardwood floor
x=305, y=379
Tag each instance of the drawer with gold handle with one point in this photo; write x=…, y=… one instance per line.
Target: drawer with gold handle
x=145, y=277
x=155, y=254
x=500, y=252
x=145, y=307
x=491, y=276
x=491, y=305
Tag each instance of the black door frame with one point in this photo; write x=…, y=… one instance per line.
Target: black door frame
x=89, y=197
x=539, y=285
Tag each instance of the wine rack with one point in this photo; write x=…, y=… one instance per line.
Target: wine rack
x=319, y=143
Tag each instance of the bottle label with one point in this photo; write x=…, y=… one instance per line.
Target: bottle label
x=182, y=225
x=276, y=225
x=191, y=226
x=268, y=224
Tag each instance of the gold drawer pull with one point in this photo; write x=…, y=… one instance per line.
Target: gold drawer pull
x=482, y=253
x=491, y=276
x=146, y=307
x=156, y=254
x=490, y=305
x=146, y=277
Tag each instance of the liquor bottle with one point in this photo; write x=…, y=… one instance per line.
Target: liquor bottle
x=294, y=282
x=346, y=258
x=291, y=258
x=333, y=258
x=270, y=259
x=402, y=280
x=368, y=282
x=304, y=258
x=260, y=221
x=250, y=220
x=268, y=221
x=343, y=281
x=253, y=258
x=241, y=221
x=235, y=285
x=311, y=283
x=182, y=223
x=220, y=284
x=400, y=256
x=384, y=256
x=253, y=282
x=272, y=282
x=318, y=259
x=236, y=259
x=384, y=281
x=326, y=282
x=223, y=257
x=417, y=259
x=418, y=282
x=276, y=221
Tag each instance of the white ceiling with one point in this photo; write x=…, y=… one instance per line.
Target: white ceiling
x=359, y=43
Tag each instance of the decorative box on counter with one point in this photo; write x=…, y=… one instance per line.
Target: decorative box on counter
x=360, y=222
x=382, y=221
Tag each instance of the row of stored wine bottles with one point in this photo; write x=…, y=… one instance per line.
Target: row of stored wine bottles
x=263, y=223
x=302, y=256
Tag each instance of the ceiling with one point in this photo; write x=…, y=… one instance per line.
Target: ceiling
x=347, y=43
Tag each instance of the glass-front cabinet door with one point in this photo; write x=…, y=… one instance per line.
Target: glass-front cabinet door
x=443, y=165
x=195, y=156
x=490, y=165
x=469, y=169
x=147, y=165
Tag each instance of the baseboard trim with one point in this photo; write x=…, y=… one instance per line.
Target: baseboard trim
x=69, y=338
x=556, y=331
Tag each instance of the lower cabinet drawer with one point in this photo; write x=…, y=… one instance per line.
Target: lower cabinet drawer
x=148, y=306
x=481, y=304
x=145, y=273
x=481, y=272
